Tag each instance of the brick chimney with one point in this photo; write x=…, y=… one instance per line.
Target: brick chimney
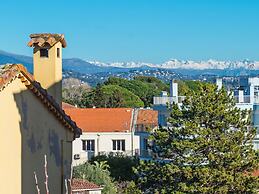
x=47, y=62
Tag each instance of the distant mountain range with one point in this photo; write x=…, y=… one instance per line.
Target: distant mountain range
x=184, y=67
x=186, y=64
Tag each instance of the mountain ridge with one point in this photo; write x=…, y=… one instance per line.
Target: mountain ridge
x=185, y=64
x=92, y=67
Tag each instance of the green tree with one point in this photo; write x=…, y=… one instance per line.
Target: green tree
x=97, y=173
x=208, y=149
x=153, y=81
x=120, y=166
x=187, y=86
x=111, y=96
x=144, y=87
x=130, y=188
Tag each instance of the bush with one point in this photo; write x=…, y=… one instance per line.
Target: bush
x=97, y=173
x=121, y=167
x=128, y=187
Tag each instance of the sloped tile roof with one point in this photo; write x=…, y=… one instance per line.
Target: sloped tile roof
x=66, y=105
x=46, y=39
x=102, y=119
x=147, y=117
x=79, y=184
x=10, y=72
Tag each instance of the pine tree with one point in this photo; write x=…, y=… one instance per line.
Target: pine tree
x=207, y=149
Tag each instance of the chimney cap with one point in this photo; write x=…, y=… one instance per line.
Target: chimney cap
x=46, y=39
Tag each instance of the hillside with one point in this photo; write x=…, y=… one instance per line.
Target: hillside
x=96, y=72
x=75, y=64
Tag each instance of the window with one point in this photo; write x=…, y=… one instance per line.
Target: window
x=145, y=146
x=58, y=52
x=118, y=145
x=88, y=145
x=44, y=53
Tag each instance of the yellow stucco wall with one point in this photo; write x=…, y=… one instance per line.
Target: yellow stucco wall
x=51, y=68
x=28, y=131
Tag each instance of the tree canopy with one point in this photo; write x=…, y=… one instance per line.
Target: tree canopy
x=187, y=86
x=207, y=149
x=120, y=92
x=120, y=166
x=111, y=96
x=97, y=173
x=143, y=87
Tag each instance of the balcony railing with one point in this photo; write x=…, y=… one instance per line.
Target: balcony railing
x=124, y=153
x=167, y=100
x=246, y=99
x=87, y=155
x=170, y=100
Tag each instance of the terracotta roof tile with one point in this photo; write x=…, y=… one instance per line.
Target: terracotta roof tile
x=147, y=117
x=66, y=105
x=79, y=184
x=10, y=72
x=102, y=119
x=46, y=39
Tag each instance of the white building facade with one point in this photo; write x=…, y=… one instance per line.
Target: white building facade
x=111, y=131
x=105, y=143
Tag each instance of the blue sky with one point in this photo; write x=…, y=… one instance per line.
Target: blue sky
x=137, y=30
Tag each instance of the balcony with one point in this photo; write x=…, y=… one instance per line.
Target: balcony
x=168, y=100
x=246, y=99
x=120, y=153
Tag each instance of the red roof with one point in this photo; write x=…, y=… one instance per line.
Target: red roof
x=102, y=119
x=147, y=117
x=66, y=105
x=79, y=184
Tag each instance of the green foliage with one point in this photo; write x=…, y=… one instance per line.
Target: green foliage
x=119, y=92
x=97, y=173
x=129, y=188
x=187, y=86
x=143, y=87
x=120, y=166
x=208, y=149
x=155, y=82
x=111, y=96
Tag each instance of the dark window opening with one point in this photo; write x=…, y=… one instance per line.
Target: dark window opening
x=83, y=145
x=90, y=145
x=145, y=144
x=58, y=52
x=113, y=144
x=44, y=53
x=118, y=145
x=123, y=145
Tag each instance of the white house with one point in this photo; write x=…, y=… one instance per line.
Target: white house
x=112, y=131
x=162, y=103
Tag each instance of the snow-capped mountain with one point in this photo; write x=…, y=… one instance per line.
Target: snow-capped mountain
x=185, y=64
x=122, y=64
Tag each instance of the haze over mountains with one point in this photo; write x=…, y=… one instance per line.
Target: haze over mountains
x=180, y=66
